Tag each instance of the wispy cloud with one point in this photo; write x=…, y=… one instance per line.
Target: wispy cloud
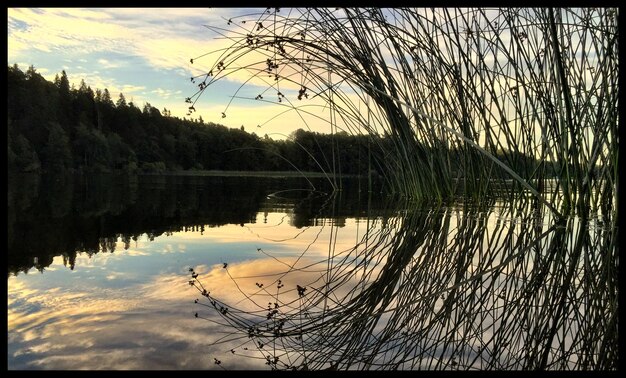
x=166, y=93
x=167, y=38
x=104, y=63
x=58, y=28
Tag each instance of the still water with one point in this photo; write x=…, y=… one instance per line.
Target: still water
x=181, y=272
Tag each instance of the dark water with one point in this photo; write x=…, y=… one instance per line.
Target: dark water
x=297, y=277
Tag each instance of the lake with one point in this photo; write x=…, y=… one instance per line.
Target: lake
x=192, y=272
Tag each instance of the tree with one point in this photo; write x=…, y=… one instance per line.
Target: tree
x=16, y=86
x=64, y=113
x=105, y=110
x=57, y=155
x=106, y=98
x=121, y=155
x=11, y=156
x=121, y=101
x=151, y=111
x=26, y=159
x=84, y=106
x=39, y=106
x=91, y=149
x=187, y=150
x=62, y=83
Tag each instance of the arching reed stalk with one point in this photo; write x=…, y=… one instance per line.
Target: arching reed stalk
x=453, y=95
x=454, y=101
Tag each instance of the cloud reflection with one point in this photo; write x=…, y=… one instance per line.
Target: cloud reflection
x=133, y=309
x=149, y=327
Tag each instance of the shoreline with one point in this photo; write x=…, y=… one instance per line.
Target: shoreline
x=250, y=174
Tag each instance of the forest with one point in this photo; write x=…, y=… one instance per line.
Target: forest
x=55, y=127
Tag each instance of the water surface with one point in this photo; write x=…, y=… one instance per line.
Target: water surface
x=299, y=277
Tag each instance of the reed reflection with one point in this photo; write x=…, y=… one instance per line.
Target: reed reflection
x=487, y=285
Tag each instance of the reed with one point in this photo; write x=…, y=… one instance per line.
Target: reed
x=489, y=84
x=456, y=102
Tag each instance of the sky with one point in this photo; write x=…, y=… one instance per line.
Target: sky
x=145, y=54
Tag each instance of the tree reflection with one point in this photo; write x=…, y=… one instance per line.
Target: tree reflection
x=471, y=286
x=62, y=215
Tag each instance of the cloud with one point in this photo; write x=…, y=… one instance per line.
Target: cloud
x=166, y=38
x=107, y=64
x=64, y=29
x=132, y=88
x=167, y=93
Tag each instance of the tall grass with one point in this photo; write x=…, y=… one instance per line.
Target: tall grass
x=453, y=100
x=473, y=88
x=469, y=286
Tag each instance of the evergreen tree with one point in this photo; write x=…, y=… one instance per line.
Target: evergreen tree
x=62, y=83
x=57, y=155
x=26, y=159
x=106, y=98
x=64, y=113
x=121, y=101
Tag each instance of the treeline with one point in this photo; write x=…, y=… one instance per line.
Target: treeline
x=54, y=127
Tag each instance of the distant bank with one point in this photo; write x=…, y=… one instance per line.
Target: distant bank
x=248, y=173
